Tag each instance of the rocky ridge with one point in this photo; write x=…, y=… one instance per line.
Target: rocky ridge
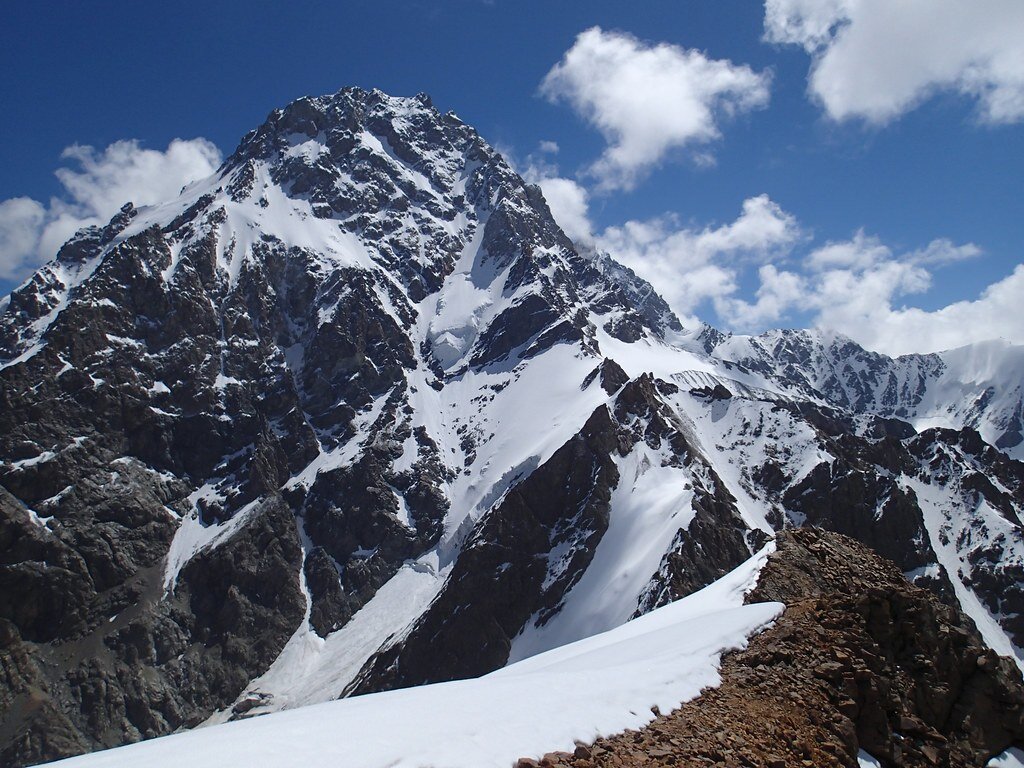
x=859, y=662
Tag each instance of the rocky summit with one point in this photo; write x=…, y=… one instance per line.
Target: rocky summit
x=354, y=414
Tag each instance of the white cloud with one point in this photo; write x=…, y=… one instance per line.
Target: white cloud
x=864, y=252
x=859, y=253
x=761, y=228
x=840, y=281
x=942, y=251
x=95, y=186
x=863, y=305
x=778, y=292
x=876, y=59
x=995, y=314
x=21, y=221
x=858, y=287
x=647, y=100
x=568, y=202
x=689, y=266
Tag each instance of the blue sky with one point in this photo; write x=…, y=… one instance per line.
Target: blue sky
x=892, y=178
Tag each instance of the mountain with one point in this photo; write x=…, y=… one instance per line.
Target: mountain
x=354, y=414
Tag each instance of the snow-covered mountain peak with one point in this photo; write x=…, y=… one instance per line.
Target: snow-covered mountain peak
x=979, y=385
x=363, y=184
x=357, y=155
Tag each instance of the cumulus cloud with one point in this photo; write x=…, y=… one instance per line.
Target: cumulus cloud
x=690, y=265
x=868, y=305
x=860, y=287
x=569, y=203
x=859, y=253
x=95, y=184
x=568, y=200
x=21, y=221
x=877, y=59
x=777, y=293
x=995, y=314
x=647, y=100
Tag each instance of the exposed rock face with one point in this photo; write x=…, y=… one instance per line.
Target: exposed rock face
x=859, y=660
x=358, y=392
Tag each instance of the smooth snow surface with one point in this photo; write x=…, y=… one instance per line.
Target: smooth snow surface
x=594, y=687
x=864, y=760
x=312, y=670
x=1011, y=758
x=651, y=503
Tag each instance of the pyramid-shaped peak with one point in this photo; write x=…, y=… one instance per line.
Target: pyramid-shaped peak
x=409, y=125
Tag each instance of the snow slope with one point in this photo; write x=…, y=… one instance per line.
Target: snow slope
x=651, y=503
x=593, y=687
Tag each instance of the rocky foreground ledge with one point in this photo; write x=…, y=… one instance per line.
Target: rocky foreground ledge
x=860, y=662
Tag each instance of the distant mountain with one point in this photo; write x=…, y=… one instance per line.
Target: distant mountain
x=979, y=386
x=354, y=414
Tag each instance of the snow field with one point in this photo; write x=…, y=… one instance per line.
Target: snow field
x=593, y=687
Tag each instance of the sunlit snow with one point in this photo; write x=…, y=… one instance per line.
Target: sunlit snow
x=597, y=686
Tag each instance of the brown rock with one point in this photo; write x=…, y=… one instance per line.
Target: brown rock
x=841, y=669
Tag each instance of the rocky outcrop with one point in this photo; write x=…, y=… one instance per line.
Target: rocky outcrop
x=860, y=660
x=230, y=614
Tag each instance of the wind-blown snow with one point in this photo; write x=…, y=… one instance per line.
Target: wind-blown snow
x=995, y=369
x=597, y=686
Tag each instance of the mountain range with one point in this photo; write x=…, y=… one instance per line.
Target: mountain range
x=354, y=414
